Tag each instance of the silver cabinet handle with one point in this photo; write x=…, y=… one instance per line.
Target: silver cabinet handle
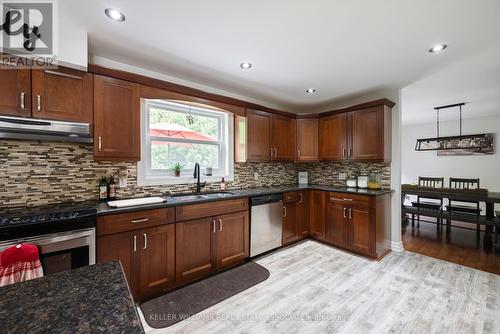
x=220, y=225
x=139, y=220
x=99, y=143
x=348, y=199
x=135, y=243
x=284, y=210
x=301, y=197
x=350, y=213
x=298, y=153
x=145, y=240
x=345, y=216
x=213, y=225
x=275, y=152
x=38, y=103
x=21, y=98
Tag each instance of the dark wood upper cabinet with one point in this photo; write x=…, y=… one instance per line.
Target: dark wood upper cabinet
x=116, y=119
x=369, y=137
x=358, y=135
x=258, y=136
x=283, y=138
x=195, y=249
x=307, y=139
x=15, y=96
x=157, y=263
x=62, y=94
x=232, y=239
x=270, y=137
x=333, y=137
x=317, y=214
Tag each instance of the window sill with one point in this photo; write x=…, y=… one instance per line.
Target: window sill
x=173, y=180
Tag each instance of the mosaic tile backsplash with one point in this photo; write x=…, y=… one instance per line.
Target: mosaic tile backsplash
x=37, y=173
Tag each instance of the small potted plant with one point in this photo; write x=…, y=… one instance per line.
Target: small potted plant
x=177, y=168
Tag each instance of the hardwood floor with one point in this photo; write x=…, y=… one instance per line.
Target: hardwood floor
x=459, y=246
x=314, y=288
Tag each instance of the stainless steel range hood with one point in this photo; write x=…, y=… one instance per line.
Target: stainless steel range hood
x=42, y=129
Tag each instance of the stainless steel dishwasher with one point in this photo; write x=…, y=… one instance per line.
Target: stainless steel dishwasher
x=266, y=223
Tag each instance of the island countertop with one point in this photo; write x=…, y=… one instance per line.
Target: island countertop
x=93, y=299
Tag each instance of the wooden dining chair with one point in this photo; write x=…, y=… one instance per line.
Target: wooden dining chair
x=428, y=202
x=468, y=207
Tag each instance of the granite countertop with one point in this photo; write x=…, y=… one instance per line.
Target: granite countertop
x=91, y=299
x=104, y=209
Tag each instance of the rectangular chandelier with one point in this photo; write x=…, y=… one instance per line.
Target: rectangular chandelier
x=476, y=142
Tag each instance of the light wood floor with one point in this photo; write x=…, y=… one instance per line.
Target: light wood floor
x=314, y=288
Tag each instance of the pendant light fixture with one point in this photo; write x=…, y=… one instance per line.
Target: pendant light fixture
x=460, y=142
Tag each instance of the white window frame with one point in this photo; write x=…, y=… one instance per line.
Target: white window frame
x=146, y=176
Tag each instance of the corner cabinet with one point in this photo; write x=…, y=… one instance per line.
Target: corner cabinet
x=357, y=135
x=116, y=119
x=307, y=139
x=270, y=137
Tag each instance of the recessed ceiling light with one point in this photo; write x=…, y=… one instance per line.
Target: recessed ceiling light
x=438, y=48
x=115, y=14
x=246, y=65
x=311, y=91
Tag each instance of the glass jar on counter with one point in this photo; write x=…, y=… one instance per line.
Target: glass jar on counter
x=351, y=182
x=375, y=181
x=363, y=181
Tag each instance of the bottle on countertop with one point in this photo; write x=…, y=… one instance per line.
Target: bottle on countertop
x=223, y=184
x=112, y=188
x=103, y=189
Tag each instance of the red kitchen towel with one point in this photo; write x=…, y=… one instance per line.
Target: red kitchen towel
x=19, y=263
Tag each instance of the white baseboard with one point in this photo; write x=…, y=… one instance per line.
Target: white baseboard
x=397, y=246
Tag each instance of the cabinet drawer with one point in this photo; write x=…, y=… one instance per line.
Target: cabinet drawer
x=130, y=221
x=290, y=197
x=350, y=199
x=209, y=209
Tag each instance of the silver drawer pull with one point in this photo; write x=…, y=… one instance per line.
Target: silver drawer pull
x=348, y=199
x=139, y=220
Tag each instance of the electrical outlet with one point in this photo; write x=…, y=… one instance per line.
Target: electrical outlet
x=342, y=176
x=256, y=176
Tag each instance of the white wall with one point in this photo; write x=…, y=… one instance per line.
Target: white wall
x=415, y=164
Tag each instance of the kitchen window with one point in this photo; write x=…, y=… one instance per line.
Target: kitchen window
x=173, y=132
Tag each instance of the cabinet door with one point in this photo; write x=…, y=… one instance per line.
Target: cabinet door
x=360, y=228
x=317, y=214
x=366, y=138
x=283, y=138
x=333, y=137
x=194, y=248
x=307, y=139
x=116, y=119
x=157, y=265
x=232, y=239
x=303, y=214
x=258, y=136
x=64, y=94
x=15, y=92
x=125, y=248
x=289, y=222
x=336, y=224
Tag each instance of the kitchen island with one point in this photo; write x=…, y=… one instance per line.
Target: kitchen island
x=93, y=299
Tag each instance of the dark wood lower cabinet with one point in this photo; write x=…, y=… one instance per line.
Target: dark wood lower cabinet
x=157, y=260
x=194, y=249
x=295, y=216
x=232, y=239
x=358, y=223
x=317, y=214
x=289, y=223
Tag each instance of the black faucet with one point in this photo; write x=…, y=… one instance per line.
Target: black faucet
x=196, y=175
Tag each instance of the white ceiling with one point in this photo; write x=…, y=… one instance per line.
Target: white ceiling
x=475, y=81
x=339, y=47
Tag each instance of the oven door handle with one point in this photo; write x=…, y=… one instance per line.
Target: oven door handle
x=46, y=239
